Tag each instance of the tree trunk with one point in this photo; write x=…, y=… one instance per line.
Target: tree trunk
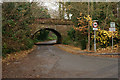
x=88, y=30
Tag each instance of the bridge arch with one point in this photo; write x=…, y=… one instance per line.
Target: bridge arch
x=59, y=37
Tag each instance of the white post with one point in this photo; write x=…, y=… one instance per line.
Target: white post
x=112, y=40
x=95, y=40
x=112, y=28
x=95, y=26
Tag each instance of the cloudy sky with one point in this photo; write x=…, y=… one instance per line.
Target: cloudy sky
x=52, y=5
x=52, y=8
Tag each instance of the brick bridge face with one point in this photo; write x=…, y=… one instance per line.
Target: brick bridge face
x=52, y=26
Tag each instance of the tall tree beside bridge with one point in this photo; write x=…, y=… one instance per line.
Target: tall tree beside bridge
x=61, y=10
x=16, y=19
x=104, y=12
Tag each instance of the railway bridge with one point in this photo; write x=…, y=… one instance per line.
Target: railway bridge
x=57, y=26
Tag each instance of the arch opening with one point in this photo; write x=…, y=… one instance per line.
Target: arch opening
x=59, y=37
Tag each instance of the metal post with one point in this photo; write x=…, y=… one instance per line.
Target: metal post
x=95, y=37
x=112, y=40
x=95, y=40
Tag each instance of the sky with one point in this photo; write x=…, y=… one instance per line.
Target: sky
x=0, y=1
x=52, y=5
x=53, y=8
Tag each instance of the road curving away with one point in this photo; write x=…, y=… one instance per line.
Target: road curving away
x=48, y=61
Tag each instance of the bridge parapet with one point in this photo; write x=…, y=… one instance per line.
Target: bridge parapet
x=54, y=21
x=61, y=28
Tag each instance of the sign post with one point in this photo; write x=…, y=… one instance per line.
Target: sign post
x=112, y=28
x=95, y=40
x=112, y=40
x=95, y=24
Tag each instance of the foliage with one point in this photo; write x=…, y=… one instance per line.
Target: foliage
x=76, y=38
x=104, y=38
x=83, y=22
x=39, y=11
x=16, y=19
x=71, y=34
x=42, y=35
x=101, y=11
x=104, y=12
x=79, y=33
x=67, y=40
x=52, y=37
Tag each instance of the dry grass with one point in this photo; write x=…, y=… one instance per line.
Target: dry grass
x=109, y=49
x=17, y=55
x=74, y=50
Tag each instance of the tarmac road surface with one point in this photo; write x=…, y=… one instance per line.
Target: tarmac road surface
x=48, y=61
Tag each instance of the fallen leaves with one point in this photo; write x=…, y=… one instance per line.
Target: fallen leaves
x=108, y=49
x=16, y=56
x=74, y=50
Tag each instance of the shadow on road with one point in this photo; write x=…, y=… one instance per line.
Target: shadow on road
x=53, y=42
x=45, y=44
